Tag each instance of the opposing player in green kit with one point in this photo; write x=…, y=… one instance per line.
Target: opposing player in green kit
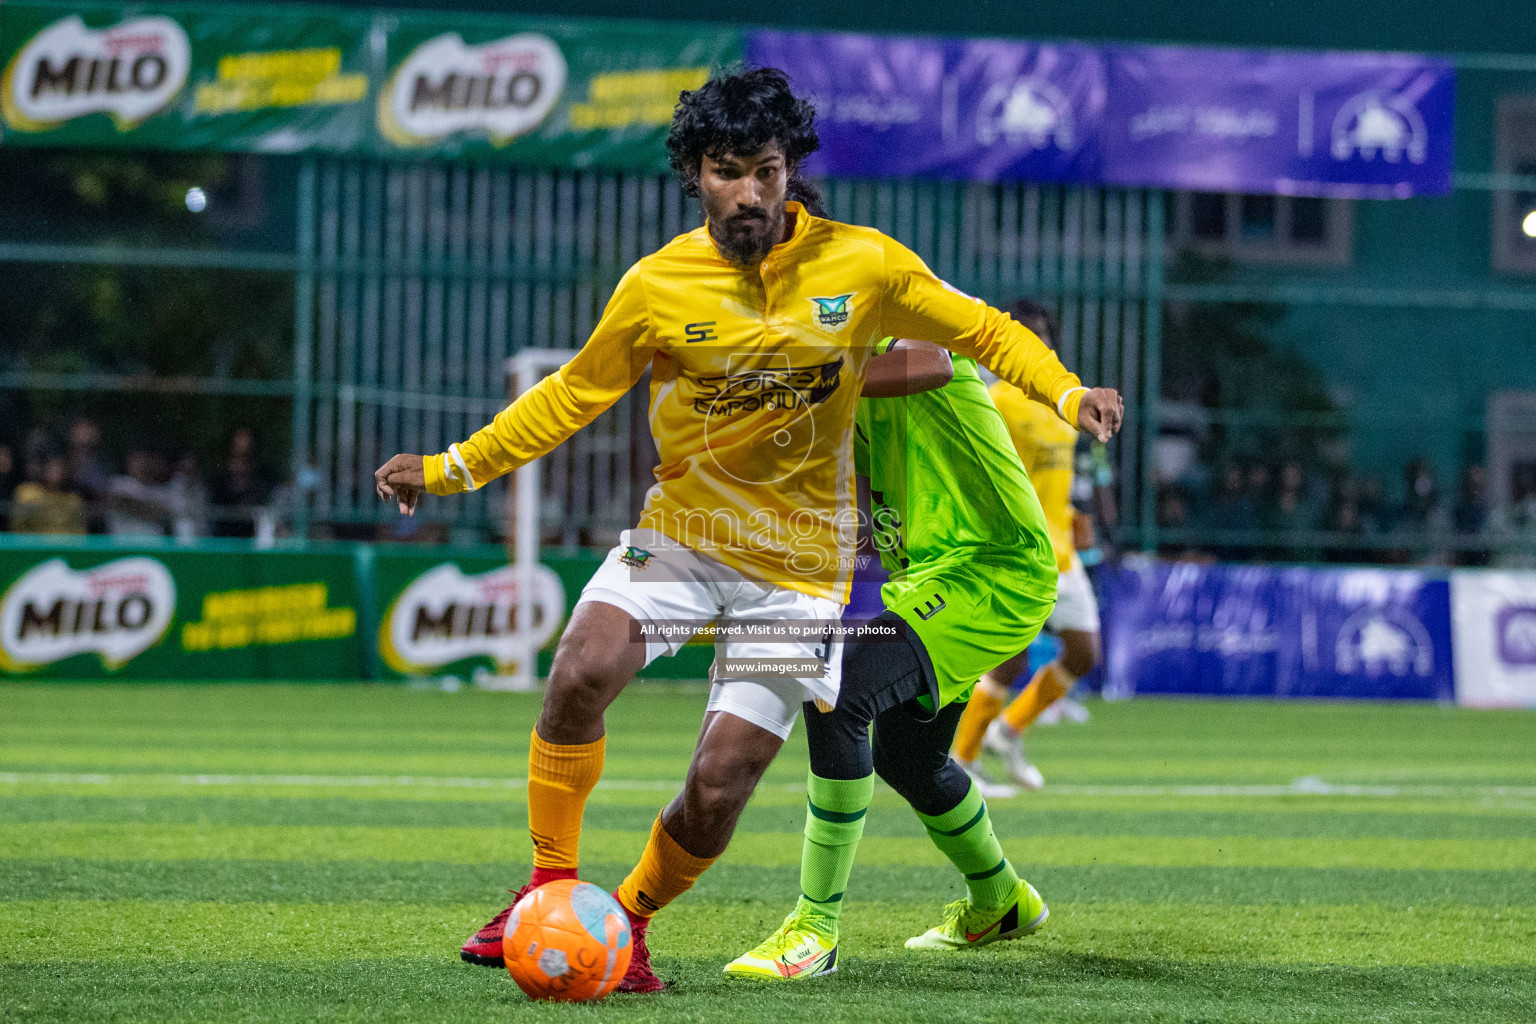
x=973, y=578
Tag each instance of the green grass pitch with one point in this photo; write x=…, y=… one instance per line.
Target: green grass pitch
x=317, y=853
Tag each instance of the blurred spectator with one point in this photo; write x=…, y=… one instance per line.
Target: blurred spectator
x=1173, y=513
x=1258, y=484
x=1422, y=510
x=1512, y=527
x=189, y=500
x=1472, y=513
x=138, y=504
x=1236, y=507
x=1344, y=505
x=87, y=473
x=1292, y=509
x=1423, y=514
x=10, y=474
x=1522, y=508
x=1344, y=518
x=1093, y=489
x=44, y=504
x=36, y=451
x=1176, y=459
x=240, y=489
x=1172, y=508
x=1371, y=497
x=1290, y=512
x=1231, y=507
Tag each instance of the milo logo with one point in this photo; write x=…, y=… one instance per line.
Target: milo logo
x=445, y=616
x=116, y=611
x=67, y=70
x=502, y=89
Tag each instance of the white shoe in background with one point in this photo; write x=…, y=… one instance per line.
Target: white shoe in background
x=1009, y=745
x=988, y=789
x=1071, y=710
x=999, y=739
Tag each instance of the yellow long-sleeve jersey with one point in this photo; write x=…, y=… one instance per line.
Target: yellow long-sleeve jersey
x=1047, y=447
x=755, y=378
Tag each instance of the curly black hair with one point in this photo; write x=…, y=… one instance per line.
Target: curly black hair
x=807, y=195
x=1032, y=314
x=739, y=114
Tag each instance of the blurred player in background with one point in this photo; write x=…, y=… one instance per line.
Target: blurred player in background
x=1048, y=447
x=757, y=327
x=1093, y=535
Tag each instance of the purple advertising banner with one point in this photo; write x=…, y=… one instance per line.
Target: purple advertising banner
x=1276, y=631
x=1338, y=124
x=969, y=109
x=1335, y=124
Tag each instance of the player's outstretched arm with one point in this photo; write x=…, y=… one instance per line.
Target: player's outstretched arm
x=915, y=303
x=907, y=367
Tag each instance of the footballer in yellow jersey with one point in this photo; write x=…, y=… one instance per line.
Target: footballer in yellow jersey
x=755, y=377
x=1047, y=447
x=757, y=329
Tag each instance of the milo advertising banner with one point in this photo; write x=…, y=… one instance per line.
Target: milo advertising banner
x=453, y=614
x=567, y=93
x=248, y=78
x=458, y=615
x=331, y=612
x=170, y=77
x=167, y=614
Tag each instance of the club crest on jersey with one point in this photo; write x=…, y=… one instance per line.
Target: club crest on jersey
x=832, y=312
x=635, y=558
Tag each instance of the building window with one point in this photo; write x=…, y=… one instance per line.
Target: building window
x=1309, y=220
x=1208, y=216
x=1258, y=219
x=1262, y=229
x=1514, y=212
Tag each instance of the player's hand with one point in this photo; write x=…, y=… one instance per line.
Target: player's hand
x=1100, y=412
x=402, y=479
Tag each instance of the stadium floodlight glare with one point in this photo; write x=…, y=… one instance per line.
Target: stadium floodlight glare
x=1529, y=224
x=197, y=199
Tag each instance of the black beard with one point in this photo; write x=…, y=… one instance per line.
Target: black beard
x=746, y=244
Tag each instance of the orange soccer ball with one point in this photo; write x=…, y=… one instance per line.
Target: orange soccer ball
x=568, y=941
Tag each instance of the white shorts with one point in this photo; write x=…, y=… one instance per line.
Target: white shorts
x=672, y=591
x=1077, y=609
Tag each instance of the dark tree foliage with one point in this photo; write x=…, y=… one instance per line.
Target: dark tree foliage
x=81, y=316
x=1219, y=356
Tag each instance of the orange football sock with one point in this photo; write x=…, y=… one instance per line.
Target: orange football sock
x=560, y=776
x=1050, y=684
x=978, y=714
x=664, y=873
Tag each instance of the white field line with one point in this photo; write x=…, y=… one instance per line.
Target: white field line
x=1299, y=787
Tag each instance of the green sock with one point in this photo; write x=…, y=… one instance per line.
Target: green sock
x=965, y=836
x=834, y=824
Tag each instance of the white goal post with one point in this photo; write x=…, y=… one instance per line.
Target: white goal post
x=525, y=370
